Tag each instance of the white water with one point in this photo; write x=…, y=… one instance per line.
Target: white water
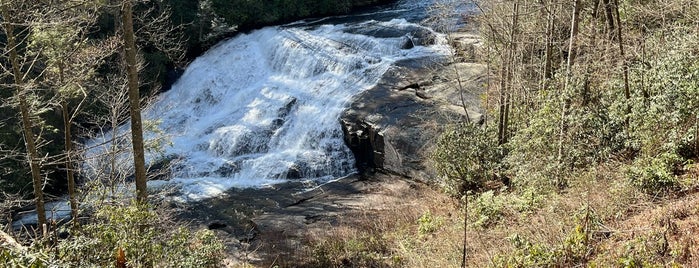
x=263, y=108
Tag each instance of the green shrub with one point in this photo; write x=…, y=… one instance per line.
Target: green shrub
x=368, y=250
x=428, y=223
x=147, y=238
x=527, y=254
x=487, y=209
x=657, y=175
x=573, y=251
x=466, y=157
x=664, y=116
x=645, y=251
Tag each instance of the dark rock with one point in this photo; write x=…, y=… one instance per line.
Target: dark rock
x=216, y=225
x=227, y=169
x=393, y=130
x=408, y=44
x=294, y=173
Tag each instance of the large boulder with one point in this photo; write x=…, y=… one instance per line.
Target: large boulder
x=393, y=127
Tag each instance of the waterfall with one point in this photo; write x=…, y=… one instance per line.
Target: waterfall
x=263, y=108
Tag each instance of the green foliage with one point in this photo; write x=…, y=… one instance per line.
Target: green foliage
x=664, y=118
x=146, y=238
x=487, y=209
x=38, y=259
x=427, y=223
x=574, y=249
x=528, y=200
x=527, y=254
x=591, y=133
x=466, y=158
x=367, y=250
x=657, y=175
x=645, y=251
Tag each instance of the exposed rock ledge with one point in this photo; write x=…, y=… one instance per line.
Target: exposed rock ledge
x=393, y=127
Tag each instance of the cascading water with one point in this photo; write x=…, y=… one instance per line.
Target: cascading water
x=263, y=108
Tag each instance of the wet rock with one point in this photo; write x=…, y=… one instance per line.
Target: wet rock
x=408, y=43
x=294, y=173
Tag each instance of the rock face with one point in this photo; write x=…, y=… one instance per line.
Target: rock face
x=393, y=127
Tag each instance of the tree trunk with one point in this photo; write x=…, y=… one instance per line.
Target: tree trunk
x=465, y=243
x=548, y=73
x=511, y=68
x=627, y=90
x=9, y=242
x=565, y=102
x=506, y=84
x=696, y=136
x=27, y=124
x=610, y=18
x=502, y=128
x=68, y=147
x=134, y=102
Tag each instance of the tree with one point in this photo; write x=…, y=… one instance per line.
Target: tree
x=574, y=26
x=134, y=100
x=10, y=8
x=70, y=59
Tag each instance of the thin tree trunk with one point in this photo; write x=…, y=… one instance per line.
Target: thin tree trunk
x=696, y=136
x=569, y=73
x=68, y=149
x=501, y=101
x=69, y=162
x=610, y=18
x=548, y=73
x=134, y=103
x=506, y=84
x=627, y=90
x=465, y=248
x=27, y=125
x=511, y=68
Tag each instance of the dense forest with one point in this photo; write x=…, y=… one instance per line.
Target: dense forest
x=587, y=154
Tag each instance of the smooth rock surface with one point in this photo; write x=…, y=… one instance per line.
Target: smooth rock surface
x=393, y=127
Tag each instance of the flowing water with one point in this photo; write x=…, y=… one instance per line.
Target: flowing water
x=263, y=107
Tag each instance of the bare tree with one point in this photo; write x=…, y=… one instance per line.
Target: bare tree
x=10, y=11
x=625, y=66
x=565, y=103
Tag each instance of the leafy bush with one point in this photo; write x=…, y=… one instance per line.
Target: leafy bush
x=487, y=209
x=657, y=175
x=664, y=116
x=366, y=250
x=646, y=251
x=146, y=237
x=527, y=254
x=591, y=134
x=574, y=249
x=428, y=223
x=466, y=157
